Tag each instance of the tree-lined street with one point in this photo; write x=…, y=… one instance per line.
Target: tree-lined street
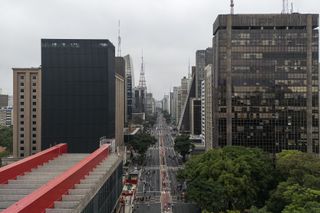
x=158, y=189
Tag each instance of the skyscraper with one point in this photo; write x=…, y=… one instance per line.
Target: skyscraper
x=78, y=92
x=4, y=100
x=26, y=111
x=208, y=106
x=266, y=81
x=203, y=58
x=119, y=101
x=129, y=85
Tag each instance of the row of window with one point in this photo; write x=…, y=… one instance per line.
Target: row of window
x=34, y=77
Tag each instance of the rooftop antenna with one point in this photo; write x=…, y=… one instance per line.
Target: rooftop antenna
x=231, y=7
x=291, y=11
x=119, y=41
x=285, y=7
x=142, y=80
x=189, y=68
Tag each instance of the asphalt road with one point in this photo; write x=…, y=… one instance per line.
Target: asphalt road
x=148, y=192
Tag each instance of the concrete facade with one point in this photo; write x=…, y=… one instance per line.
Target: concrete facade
x=26, y=111
x=120, y=101
x=4, y=100
x=208, y=106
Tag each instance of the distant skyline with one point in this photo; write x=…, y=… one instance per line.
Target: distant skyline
x=168, y=31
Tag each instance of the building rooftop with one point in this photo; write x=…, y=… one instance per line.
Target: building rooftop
x=54, y=180
x=244, y=21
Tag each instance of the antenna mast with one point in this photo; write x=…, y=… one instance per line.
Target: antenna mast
x=231, y=7
x=189, y=69
x=285, y=6
x=142, y=80
x=119, y=40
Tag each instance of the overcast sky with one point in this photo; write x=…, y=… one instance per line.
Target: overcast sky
x=168, y=31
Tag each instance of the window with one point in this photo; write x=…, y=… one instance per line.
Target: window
x=34, y=103
x=34, y=97
x=21, y=90
x=21, y=76
x=21, y=116
x=34, y=77
x=21, y=122
x=34, y=135
x=21, y=84
x=34, y=116
x=21, y=103
x=21, y=135
x=21, y=148
x=33, y=84
x=34, y=148
x=34, y=90
x=34, y=122
x=22, y=142
x=34, y=142
x=34, y=109
x=34, y=129
x=22, y=96
x=22, y=110
x=21, y=154
x=21, y=129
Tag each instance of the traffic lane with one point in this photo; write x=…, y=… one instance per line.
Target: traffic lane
x=185, y=208
x=149, y=187
x=153, y=180
x=171, y=158
x=147, y=208
x=174, y=182
x=152, y=157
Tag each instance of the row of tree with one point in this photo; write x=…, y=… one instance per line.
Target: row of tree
x=239, y=179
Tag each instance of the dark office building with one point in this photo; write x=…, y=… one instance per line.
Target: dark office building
x=140, y=95
x=78, y=93
x=4, y=100
x=195, y=116
x=266, y=81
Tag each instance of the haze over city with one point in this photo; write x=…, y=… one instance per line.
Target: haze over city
x=168, y=31
x=159, y=106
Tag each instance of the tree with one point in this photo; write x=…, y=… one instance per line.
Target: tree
x=167, y=116
x=299, y=167
x=6, y=138
x=150, y=121
x=141, y=143
x=231, y=178
x=290, y=197
x=183, y=145
x=299, y=187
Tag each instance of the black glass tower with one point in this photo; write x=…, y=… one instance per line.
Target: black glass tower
x=78, y=93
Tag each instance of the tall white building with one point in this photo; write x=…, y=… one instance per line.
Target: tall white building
x=129, y=85
x=203, y=113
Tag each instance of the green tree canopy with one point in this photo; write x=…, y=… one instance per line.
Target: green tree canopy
x=141, y=142
x=6, y=138
x=182, y=144
x=231, y=178
x=299, y=187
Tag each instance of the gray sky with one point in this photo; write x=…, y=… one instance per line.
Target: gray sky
x=168, y=31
